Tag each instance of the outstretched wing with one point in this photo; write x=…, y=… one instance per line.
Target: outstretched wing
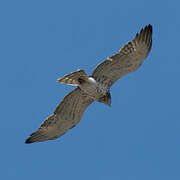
x=67, y=114
x=127, y=60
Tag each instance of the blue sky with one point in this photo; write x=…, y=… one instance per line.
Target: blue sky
x=137, y=138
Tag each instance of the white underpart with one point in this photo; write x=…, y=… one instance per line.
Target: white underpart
x=94, y=88
x=92, y=80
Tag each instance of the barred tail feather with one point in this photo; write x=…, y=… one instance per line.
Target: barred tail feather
x=73, y=78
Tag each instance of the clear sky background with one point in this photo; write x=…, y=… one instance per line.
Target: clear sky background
x=138, y=138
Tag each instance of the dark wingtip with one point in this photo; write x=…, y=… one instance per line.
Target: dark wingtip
x=28, y=141
x=149, y=27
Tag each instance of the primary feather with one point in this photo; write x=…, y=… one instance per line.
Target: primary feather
x=127, y=60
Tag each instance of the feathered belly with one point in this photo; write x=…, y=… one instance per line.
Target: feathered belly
x=94, y=88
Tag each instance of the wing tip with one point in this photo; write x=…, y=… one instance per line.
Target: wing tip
x=31, y=139
x=28, y=141
x=35, y=137
x=145, y=36
x=148, y=27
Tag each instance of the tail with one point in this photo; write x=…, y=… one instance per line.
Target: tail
x=73, y=78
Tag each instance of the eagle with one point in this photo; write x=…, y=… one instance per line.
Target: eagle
x=93, y=88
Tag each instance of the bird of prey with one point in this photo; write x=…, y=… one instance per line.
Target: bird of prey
x=93, y=88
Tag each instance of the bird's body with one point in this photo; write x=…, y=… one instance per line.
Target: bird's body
x=93, y=88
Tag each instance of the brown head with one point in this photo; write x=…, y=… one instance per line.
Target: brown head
x=106, y=99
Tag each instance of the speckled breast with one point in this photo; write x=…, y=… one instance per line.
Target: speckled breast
x=94, y=88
